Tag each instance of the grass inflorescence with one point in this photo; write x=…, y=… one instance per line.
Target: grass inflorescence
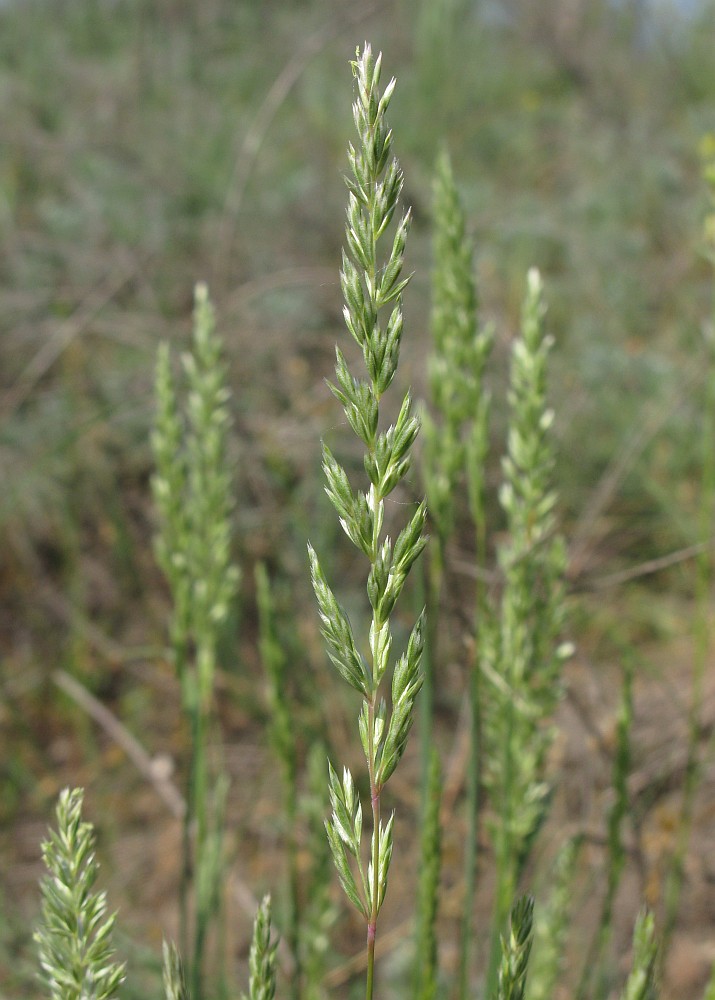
x=74, y=938
x=369, y=285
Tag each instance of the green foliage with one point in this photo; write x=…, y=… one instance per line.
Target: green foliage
x=74, y=936
x=518, y=646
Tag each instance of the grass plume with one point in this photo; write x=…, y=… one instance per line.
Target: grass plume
x=74, y=938
x=521, y=658
x=194, y=500
x=370, y=285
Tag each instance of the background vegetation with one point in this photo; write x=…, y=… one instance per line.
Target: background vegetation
x=147, y=145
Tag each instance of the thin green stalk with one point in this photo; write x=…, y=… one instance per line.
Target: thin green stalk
x=375, y=845
x=429, y=593
x=431, y=579
x=472, y=803
x=374, y=190
x=504, y=861
x=198, y=813
x=616, y=855
x=319, y=912
x=293, y=909
x=476, y=461
x=196, y=803
x=426, y=973
x=185, y=877
x=283, y=742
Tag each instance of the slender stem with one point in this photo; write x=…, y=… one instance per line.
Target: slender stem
x=504, y=859
x=199, y=816
x=374, y=791
x=594, y=967
x=186, y=859
x=429, y=597
x=473, y=769
x=292, y=932
x=370, y=960
x=470, y=851
x=375, y=803
x=198, y=822
x=432, y=573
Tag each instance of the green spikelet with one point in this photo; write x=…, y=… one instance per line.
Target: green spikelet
x=173, y=973
x=74, y=936
x=262, y=957
x=515, y=951
x=641, y=984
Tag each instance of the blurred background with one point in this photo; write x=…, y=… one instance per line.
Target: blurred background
x=147, y=145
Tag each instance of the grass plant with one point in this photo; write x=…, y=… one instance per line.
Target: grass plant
x=308, y=913
x=456, y=447
x=368, y=285
x=520, y=653
x=192, y=492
